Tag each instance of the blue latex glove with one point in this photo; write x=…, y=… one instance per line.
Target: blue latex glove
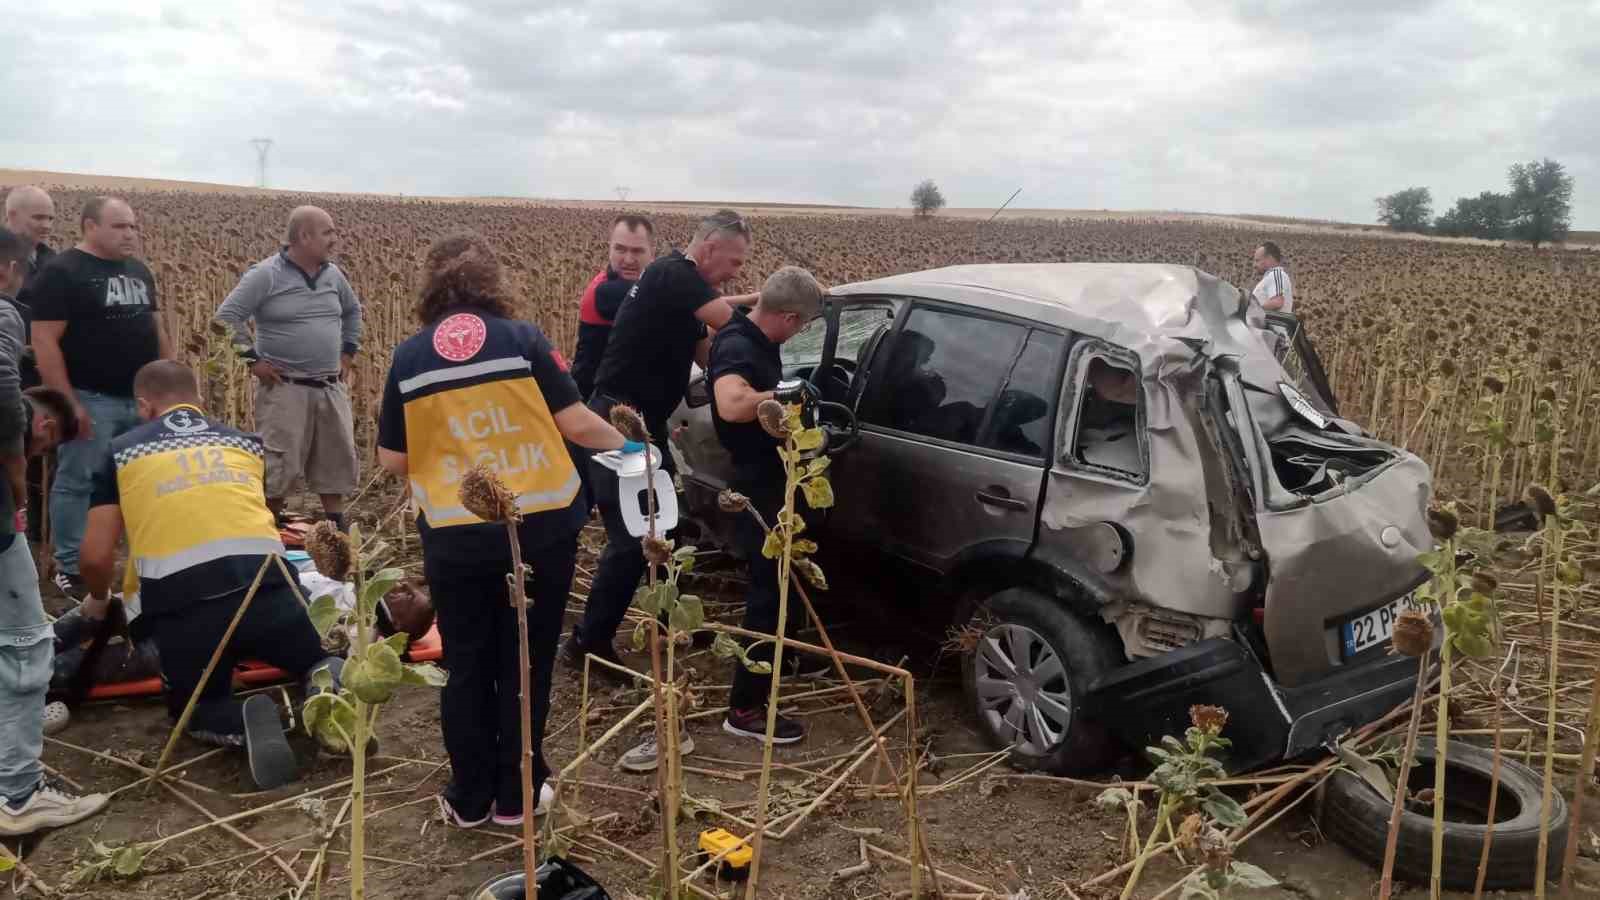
x=632, y=446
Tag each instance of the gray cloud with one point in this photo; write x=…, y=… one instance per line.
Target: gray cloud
x=1299, y=108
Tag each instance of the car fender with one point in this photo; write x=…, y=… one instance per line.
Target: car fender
x=991, y=566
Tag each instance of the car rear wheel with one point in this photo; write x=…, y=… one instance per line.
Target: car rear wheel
x=1027, y=672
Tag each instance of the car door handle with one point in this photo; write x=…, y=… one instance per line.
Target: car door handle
x=1001, y=499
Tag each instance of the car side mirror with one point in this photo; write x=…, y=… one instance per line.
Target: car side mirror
x=699, y=393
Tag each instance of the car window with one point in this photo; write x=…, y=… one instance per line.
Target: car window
x=1107, y=428
x=1022, y=413
x=856, y=324
x=942, y=374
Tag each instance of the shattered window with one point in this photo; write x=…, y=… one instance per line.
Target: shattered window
x=1106, y=436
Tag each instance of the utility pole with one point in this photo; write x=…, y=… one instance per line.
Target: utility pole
x=262, y=145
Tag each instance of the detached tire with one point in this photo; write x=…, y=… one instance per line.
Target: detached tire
x=1027, y=680
x=1356, y=817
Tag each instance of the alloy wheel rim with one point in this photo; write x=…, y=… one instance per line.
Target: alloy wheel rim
x=1024, y=696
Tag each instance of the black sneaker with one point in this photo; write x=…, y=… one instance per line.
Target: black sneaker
x=752, y=724
x=272, y=762
x=71, y=586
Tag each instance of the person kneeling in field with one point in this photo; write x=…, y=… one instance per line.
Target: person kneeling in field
x=478, y=386
x=188, y=491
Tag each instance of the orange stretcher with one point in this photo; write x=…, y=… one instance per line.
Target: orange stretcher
x=429, y=648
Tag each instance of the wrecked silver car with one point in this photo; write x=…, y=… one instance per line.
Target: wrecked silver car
x=1134, y=487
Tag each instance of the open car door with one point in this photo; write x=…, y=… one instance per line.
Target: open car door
x=1299, y=358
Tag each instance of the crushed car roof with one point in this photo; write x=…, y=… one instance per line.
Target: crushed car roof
x=1142, y=306
x=1149, y=297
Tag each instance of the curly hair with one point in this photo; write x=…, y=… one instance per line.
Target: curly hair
x=462, y=270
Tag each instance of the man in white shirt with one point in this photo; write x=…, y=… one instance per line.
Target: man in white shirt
x=1274, y=291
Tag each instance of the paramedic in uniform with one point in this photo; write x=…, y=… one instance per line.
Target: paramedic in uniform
x=476, y=385
x=188, y=492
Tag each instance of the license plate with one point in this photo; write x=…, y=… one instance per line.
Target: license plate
x=1373, y=628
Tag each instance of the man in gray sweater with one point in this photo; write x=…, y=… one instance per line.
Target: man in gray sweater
x=28, y=803
x=307, y=332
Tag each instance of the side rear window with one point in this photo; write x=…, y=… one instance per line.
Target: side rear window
x=1107, y=429
x=1024, y=411
x=942, y=374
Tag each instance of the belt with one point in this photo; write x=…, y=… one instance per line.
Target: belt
x=324, y=381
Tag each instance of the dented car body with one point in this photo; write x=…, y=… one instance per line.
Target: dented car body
x=1136, y=487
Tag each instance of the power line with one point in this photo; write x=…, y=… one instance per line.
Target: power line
x=262, y=145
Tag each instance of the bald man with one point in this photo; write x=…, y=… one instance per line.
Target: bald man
x=30, y=214
x=307, y=332
x=95, y=323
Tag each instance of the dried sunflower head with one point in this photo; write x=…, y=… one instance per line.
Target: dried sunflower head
x=627, y=420
x=1413, y=633
x=1215, y=849
x=657, y=551
x=1540, y=498
x=1442, y=521
x=1211, y=719
x=1493, y=384
x=487, y=497
x=770, y=413
x=1189, y=831
x=1548, y=394
x=329, y=549
x=731, y=501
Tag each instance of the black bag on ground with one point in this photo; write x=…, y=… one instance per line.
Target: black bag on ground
x=558, y=880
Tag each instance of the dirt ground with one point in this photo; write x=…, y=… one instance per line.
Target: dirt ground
x=991, y=830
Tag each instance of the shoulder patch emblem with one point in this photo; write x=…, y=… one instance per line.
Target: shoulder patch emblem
x=183, y=421
x=560, y=361
x=460, y=337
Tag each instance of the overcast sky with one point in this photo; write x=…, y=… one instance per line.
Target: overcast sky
x=1307, y=107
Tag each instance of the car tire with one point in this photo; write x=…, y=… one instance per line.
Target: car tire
x=1357, y=817
x=1040, y=714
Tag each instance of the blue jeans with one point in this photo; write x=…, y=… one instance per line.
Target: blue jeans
x=76, y=462
x=26, y=650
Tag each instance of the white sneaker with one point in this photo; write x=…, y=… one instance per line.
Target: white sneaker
x=547, y=796
x=56, y=717
x=643, y=758
x=48, y=807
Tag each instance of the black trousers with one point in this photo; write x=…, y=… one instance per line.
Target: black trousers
x=275, y=630
x=621, y=563
x=765, y=490
x=480, y=708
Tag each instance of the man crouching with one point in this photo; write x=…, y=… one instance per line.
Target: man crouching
x=188, y=491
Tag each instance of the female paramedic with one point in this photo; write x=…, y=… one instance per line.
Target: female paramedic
x=476, y=385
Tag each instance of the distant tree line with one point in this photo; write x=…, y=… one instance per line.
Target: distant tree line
x=1537, y=207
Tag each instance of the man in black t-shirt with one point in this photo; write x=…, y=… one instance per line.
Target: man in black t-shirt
x=744, y=370
x=94, y=326
x=659, y=332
